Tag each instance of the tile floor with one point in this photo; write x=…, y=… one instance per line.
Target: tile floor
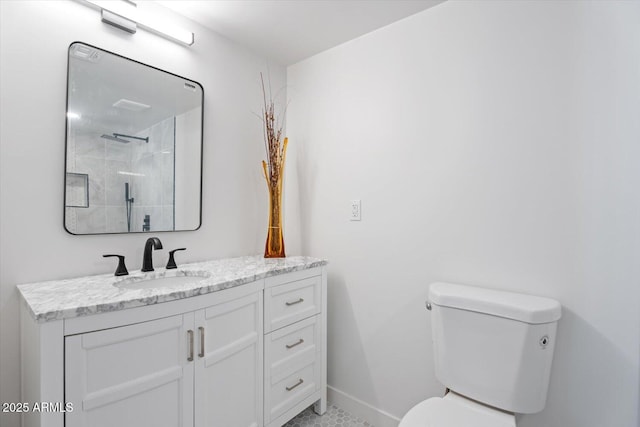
x=334, y=417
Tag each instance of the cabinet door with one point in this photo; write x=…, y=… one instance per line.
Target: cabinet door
x=228, y=377
x=131, y=376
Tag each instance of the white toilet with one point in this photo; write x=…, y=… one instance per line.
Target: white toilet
x=493, y=351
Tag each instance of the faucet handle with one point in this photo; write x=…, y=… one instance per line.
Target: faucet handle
x=121, y=270
x=172, y=262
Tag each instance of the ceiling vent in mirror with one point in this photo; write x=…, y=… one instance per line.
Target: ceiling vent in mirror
x=127, y=104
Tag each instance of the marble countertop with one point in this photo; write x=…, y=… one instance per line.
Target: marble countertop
x=81, y=296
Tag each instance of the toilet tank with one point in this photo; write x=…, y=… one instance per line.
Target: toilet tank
x=493, y=346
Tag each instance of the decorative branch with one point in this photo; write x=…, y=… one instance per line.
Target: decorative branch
x=274, y=145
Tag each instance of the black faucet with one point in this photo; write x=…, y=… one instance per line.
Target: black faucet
x=147, y=260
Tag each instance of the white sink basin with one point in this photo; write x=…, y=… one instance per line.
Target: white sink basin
x=164, y=280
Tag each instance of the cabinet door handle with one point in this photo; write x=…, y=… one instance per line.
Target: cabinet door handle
x=190, y=336
x=300, y=381
x=300, y=341
x=294, y=302
x=201, y=329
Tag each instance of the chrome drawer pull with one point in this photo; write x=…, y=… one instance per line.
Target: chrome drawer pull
x=201, y=329
x=300, y=341
x=190, y=335
x=300, y=381
x=295, y=302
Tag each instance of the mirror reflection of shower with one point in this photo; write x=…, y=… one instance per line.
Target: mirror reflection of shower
x=126, y=139
x=141, y=160
x=129, y=203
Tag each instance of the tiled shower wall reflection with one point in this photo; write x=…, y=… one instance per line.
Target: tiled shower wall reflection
x=153, y=187
x=147, y=167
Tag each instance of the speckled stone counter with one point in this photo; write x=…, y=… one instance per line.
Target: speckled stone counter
x=81, y=296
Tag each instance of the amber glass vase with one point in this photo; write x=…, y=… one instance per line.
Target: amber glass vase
x=274, y=247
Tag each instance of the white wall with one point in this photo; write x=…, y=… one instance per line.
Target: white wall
x=33, y=245
x=492, y=143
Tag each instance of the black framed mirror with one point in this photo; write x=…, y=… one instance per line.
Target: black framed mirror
x=133, y=146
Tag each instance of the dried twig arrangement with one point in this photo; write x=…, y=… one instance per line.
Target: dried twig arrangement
x=275, y=148
x=273, y=170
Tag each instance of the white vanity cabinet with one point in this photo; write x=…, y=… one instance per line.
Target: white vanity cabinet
x=203, y=366
x=252, y=355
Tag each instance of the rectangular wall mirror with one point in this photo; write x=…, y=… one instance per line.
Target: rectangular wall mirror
x=133, y=146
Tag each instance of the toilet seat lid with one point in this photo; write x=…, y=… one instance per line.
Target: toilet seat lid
x=455, y=411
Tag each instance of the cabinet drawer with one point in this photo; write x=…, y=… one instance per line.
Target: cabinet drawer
x=285, y=391
x=290, y=302
x=292, y=346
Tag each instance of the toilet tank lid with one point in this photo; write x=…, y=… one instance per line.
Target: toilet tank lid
x=522, y=307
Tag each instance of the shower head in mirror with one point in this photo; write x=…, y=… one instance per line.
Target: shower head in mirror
x=119, y=137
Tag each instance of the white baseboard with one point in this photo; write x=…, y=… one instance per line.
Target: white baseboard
x=376, y=417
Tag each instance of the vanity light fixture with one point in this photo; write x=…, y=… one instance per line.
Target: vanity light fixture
x=119, y=22
x=124, y=14
x=167, y=30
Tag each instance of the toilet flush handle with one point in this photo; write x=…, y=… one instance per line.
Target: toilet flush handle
x=428, y=305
